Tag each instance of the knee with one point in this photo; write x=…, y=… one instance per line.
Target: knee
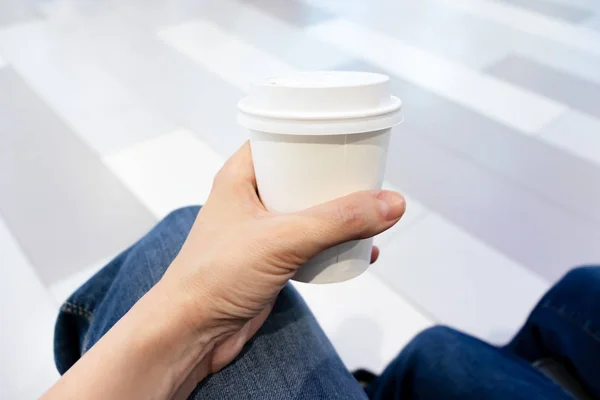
x=436, y=336
x=443, y=352
x=576, y=292
x=584, y=275
x=578, y=282
x=434, y=344
x=435, y=353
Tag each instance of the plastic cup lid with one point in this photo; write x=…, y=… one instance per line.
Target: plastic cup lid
x=321, y=103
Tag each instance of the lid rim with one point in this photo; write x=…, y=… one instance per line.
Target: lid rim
x=394, y=106
x=320, y=127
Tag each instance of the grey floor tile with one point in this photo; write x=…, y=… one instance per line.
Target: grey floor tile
x=568, y=60
x=553, y=9
x=591, y=5
x=167, y=80
x=560, y=56
x=15, y=11
x=577, y=133
x=492, y=180
x=66, y=209
x=539, y=235
x=293, y=12
x=593, y=22
x=571, y=90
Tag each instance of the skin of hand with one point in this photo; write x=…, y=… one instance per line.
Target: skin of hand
x=222, y=285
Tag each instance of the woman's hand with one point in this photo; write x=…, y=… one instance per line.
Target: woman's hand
x=238, y=256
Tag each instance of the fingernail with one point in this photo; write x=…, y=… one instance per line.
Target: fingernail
x=391, y=205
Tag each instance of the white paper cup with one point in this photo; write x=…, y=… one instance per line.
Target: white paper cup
x=315, y=137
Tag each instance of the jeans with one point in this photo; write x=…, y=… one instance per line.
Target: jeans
x=291, y=358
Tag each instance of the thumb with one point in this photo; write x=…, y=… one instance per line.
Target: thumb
x=357, y=216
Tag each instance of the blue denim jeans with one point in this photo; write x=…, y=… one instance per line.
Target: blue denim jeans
x=291, y=358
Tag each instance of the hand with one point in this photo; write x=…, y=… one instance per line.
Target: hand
x=219, y=289
x=238, y=256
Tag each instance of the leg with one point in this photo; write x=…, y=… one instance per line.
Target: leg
x=441, y=363
x=290, y=357
x=565, y=326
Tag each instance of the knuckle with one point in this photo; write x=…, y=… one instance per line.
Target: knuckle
x=353, y=217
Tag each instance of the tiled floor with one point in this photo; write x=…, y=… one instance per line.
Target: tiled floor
x=114, y=113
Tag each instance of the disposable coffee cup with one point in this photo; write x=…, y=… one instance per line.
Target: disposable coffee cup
x=317, y=136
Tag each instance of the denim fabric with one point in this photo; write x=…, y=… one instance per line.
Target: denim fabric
x=291, y=358
x=442, y=363
x=565, y=326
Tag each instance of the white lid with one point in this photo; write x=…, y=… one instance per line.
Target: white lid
x=321, y=103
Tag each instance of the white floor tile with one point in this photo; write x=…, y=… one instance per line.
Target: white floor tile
x=367, y=322
x=61, y=290
x=496, y=99
x=518, y=18
x=167, y=172
x=99, y=107
x=27, y=317
x=227, y=56
x=248, y=21
x=577, y=133
x=460, y=280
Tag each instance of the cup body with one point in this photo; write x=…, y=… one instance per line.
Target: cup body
x=296, y=172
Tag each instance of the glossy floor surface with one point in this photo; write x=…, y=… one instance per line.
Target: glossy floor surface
x=113, y=113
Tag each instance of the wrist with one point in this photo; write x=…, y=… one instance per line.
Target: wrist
x=175, y=343
x=151, y=352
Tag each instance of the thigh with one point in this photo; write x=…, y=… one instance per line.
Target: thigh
x=442, y=363
x=290, y=357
